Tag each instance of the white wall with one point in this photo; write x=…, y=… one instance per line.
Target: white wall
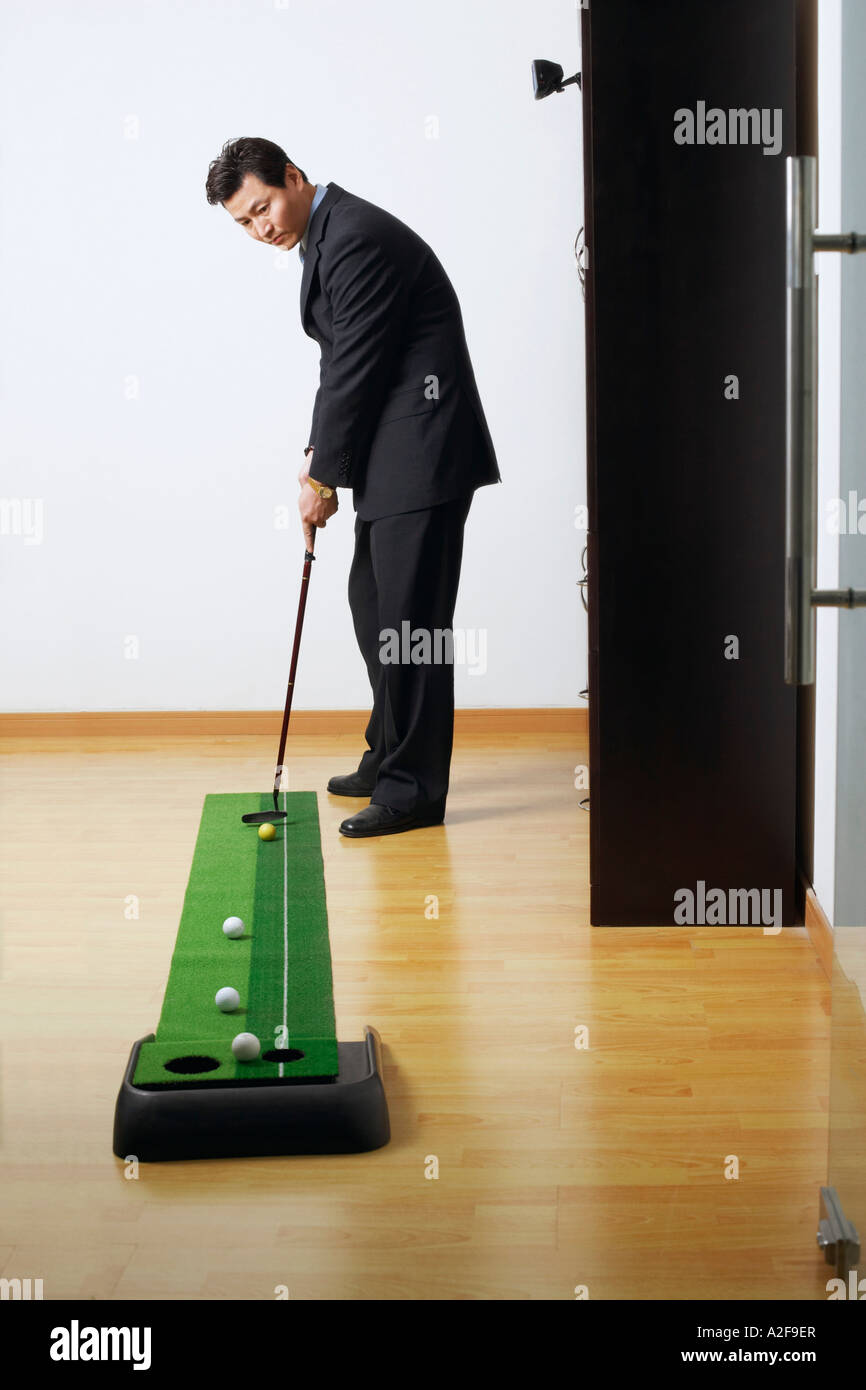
x=116, y=277
x=829, y=381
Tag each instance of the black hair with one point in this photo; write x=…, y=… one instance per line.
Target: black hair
x=248, y=155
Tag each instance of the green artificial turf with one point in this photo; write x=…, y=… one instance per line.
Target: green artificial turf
x=281, y=966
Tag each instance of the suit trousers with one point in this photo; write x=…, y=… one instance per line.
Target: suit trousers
x=403, y=581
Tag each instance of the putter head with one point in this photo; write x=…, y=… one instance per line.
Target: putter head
x=263, y=817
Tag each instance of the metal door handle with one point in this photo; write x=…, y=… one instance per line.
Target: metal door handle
x=801, y=435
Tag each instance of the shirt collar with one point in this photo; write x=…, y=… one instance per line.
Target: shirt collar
x=321, y=190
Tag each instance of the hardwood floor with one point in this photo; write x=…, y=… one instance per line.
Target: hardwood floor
x=559, y=1166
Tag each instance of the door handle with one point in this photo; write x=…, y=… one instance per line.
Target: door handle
x=801, y=433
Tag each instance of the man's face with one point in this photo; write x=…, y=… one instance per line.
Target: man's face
x=276, y=216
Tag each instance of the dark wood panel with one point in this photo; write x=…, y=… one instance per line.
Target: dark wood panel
x=693, y=757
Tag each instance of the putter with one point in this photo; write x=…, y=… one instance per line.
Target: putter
x=264, y=817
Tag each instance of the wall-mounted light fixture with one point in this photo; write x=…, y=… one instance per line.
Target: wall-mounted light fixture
x=547, y=78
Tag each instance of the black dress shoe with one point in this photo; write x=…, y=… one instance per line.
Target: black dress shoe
x=350, y=785
x=383, y=820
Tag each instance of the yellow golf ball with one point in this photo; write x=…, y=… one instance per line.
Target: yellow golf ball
x=267, y=831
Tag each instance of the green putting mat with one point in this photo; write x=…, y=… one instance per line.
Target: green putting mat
x=281, y=966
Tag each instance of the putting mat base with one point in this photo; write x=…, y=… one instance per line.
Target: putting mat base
x=265, y=1118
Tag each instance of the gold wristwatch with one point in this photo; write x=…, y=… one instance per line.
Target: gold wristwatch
x=321, y=488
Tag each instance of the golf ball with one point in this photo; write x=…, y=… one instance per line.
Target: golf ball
x=227, y=999
x=246, y=1047
x=233, y=926
x=267, y=831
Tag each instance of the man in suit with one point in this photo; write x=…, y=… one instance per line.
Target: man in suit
x=397, y=417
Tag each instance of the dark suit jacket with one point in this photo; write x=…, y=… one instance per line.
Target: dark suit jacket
x=397, y=415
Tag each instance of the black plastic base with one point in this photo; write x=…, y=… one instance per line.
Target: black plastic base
x=347, y=1114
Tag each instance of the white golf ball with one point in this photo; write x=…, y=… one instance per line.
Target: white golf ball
x=246, y=1047
x=227, y=999
x=233, y=927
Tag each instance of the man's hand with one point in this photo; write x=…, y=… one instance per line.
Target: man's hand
x=315, y=510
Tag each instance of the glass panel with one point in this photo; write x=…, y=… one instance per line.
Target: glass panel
x=847, y=1154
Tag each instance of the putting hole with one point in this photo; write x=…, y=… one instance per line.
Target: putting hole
x=188, y=1066
x=282, y=1054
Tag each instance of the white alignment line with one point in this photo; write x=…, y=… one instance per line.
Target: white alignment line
x=285, y=919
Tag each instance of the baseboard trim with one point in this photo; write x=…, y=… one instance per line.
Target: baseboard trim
x=197, y=723
x=819, y=930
